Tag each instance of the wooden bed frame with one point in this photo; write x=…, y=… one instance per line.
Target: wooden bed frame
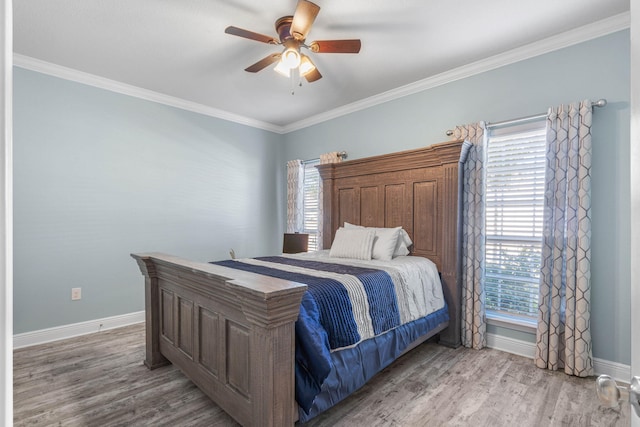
x=232, y=332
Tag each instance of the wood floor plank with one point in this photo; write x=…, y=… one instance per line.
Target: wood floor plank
x=99, y=380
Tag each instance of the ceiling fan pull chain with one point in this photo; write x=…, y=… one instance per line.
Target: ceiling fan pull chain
x=295, y=75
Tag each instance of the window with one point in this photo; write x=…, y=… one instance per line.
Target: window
x=311, y=202
x=515, y=171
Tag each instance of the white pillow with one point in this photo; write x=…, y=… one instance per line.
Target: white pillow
x=403, y=242
x=352, y=243
x=384, y=245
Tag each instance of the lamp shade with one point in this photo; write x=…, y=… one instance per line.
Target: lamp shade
x=290, y=58
x=306, y=66
x=283, y=69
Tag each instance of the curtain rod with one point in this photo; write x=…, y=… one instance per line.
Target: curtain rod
x=342, y=154
x=599, y=103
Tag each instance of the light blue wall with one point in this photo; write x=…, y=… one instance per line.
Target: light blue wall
x=594, y=69
x=98, y=175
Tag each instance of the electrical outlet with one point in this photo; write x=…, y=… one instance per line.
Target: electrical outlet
x=76, y=294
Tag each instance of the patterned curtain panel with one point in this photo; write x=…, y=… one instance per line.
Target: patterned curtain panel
x=563, y=336
x=331, y=157
x=473, y=231
x=294, y=196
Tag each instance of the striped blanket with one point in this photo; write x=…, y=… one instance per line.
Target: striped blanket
x=344, y=305
x=353, y=303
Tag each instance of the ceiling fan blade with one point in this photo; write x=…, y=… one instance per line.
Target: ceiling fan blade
x=263, y=63
x=250, y=35
x=313, y=75
x=335, y=46
x=303, y=18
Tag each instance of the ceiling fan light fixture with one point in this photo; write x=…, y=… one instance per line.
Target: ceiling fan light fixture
x=306, y=66
x=282, y=69
x=290, y=58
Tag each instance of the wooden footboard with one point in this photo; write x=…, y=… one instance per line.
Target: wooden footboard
x=229, y=331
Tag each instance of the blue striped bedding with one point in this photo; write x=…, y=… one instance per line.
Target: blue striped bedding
x=344, y=305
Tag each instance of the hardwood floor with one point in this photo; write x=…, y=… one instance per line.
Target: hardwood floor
x=99, y=380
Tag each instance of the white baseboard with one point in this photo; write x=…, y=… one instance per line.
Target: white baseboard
x=68, y=331
x=615, y=370
x=511, y=345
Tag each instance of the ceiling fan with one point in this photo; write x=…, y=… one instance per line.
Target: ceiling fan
x=292, y=32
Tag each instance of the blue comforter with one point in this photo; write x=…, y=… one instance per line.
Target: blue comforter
x=330, y=313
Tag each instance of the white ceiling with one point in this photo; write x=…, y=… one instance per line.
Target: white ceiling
x=178, y=48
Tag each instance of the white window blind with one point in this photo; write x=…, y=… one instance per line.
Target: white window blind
x=311, y=202
x=515, y=170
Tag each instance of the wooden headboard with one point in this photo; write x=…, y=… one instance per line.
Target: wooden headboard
x=418, y=190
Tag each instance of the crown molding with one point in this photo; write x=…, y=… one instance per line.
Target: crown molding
x=55, y=70
x=566, y=39
x=581, y=34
